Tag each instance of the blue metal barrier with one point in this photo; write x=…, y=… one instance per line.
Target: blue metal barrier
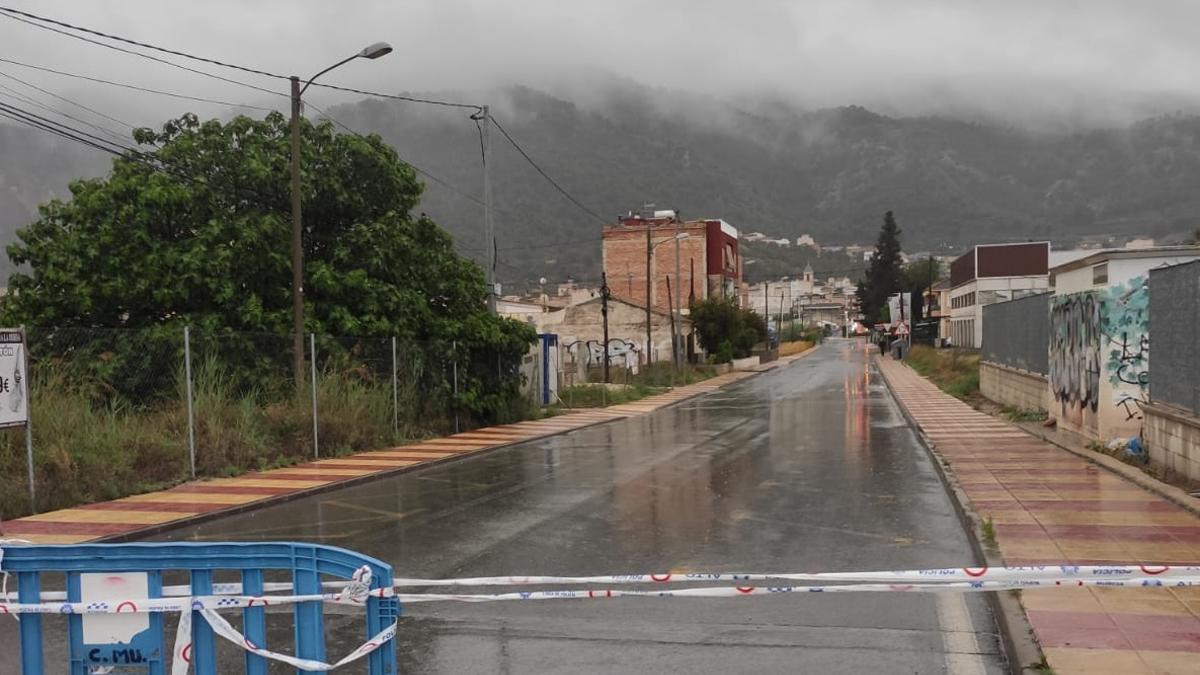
x=305, y=562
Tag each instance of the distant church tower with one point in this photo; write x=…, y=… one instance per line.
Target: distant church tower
x=808, y=271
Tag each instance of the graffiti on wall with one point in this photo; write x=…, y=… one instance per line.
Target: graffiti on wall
x=1097, y=335
x=1127, y=340
x=592, y=351
x=1075, y=327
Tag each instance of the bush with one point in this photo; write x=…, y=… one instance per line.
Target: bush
x=955, y=371
x=725, y=330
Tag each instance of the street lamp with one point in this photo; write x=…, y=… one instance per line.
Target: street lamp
x=372, y=51
x=649, y=280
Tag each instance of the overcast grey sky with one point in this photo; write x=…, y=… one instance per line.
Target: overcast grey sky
x=1092, y=60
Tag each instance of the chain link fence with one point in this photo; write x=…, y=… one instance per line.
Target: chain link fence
x=115, y=412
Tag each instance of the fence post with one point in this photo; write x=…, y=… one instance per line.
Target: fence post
x=187, y=367
x=29, y=421
x=395, y=394
x=312, y=355
x=454, y=363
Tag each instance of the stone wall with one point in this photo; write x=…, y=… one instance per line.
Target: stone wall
x=1172, y=439
x=1008, y=386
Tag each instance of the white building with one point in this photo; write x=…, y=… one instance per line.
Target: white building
x=992, y=273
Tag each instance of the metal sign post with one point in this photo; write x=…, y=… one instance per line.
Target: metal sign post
x=14, y=394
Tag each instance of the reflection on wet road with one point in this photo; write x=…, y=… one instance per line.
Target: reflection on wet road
x=808, y=468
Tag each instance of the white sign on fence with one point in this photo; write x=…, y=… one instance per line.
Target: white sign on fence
x=14, y=381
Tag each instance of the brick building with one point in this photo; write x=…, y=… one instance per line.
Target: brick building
x=709, y=261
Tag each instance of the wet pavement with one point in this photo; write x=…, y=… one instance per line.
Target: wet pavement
x=807, y=468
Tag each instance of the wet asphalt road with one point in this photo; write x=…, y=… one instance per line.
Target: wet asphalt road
x=807, y=468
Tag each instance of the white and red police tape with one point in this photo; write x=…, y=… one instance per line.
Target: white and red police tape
x=357, y=591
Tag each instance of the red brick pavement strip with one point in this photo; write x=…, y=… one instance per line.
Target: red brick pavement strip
x=1052, y=507
x=142, y=514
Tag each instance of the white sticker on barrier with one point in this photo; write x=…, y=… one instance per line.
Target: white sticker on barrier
x=126, y=591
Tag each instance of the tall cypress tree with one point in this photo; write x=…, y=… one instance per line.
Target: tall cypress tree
x=884, y=276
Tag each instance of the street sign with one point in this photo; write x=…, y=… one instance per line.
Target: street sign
x=902, y=328
x=14, y=381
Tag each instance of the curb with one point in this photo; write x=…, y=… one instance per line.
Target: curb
x=274, y=500
x=1016, y=633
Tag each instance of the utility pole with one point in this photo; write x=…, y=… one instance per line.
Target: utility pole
x=605, y=293
x=489, y=230
x=649, y=280
x=780, y=316
x=671, y=309
x=677, y=314
x=371, y=51
x=297, y=244
x=692, y=283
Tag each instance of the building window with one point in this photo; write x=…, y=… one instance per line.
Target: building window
x=1100, y=274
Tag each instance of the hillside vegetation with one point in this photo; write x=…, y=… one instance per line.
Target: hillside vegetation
x=762, y=167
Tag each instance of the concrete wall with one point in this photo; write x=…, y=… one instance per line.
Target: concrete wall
x=584, y=324
x=1100, y=350
x=1009, y=386
x=1172, y=439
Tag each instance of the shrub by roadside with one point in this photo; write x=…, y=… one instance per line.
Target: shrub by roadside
x=955, y=371
x=86, y=452
x=794, y=347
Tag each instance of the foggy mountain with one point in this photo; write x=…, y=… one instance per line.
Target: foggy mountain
x=759, y=164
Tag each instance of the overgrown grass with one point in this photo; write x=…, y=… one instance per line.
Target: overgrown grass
x=649, y=380
x=794, y=347
x=1022, y=415
x=597, y=395
x=989, y=532
x=955, y=371
x=86, y=453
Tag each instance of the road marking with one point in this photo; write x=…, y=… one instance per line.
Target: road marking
x=959, y=643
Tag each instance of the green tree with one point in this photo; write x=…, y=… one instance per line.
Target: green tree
x=884, y=276
x=919, y=276
x=725, y=330
x=194, y=230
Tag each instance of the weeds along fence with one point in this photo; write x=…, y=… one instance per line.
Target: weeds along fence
x=115, y=412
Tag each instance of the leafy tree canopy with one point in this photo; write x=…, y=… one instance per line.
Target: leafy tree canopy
x=725, y=330
x=197, y=230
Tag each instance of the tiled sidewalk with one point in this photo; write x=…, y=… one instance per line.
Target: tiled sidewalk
x=1050, y=506
x=190, y=501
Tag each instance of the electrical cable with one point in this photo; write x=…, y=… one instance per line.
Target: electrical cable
x=67, y=100
x=9, y=13
x=135, y=87
x=545, y=175
x=32, y=19
x=120, y=137
x=57, y=127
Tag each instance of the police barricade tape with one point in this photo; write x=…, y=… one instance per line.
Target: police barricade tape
x=1059, y=573
x=226, y=602
x=183, y=645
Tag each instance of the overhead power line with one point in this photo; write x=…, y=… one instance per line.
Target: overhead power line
x=68, y=132
x=134, y=87
x=545, y=175
x=117, y=135
x=67, y=100
x=32, y=19
x=11, y=14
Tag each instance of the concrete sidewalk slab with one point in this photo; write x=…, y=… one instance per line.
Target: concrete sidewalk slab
x=1050, y=506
